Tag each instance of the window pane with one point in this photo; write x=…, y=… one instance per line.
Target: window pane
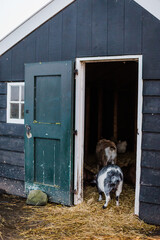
x=22, y=111
x=14, y=93
x=22, y=93
x=14, y=111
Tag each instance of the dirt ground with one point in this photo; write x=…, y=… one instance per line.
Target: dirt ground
x=85, y=221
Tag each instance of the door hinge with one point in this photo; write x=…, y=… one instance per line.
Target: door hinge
x=75, y=132
x=74, y=191
x=75, y=71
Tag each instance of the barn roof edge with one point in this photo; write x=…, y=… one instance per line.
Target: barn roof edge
x=32, y=23
x=49, y=11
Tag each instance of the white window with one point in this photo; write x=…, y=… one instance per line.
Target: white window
x=15, y=102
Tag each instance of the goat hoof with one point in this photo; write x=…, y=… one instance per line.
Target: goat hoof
x=104, y=207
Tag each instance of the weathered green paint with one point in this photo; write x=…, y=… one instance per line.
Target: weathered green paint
x=49, y=113
x=47, y=171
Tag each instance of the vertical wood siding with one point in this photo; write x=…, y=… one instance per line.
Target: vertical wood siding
x=55, y=38
x=93, y=28
x=133, y=28
x=84, y=29
x=151, y=46
x=116, y=13
x=99, y=28
x=69, y=24
x=5, y=66
x=30, y=48
x=17, y=63
x=89, y=28
x=42, y=48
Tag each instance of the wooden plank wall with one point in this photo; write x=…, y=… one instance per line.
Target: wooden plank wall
x=150, y=175
x=89, y=28
x=92, y=28
x=11, y=150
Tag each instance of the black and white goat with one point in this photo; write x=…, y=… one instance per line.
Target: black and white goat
x=110, y=178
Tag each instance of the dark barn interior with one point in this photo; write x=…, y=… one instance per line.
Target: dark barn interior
x=110, y=110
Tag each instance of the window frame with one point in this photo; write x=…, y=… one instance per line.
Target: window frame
x=9, y=101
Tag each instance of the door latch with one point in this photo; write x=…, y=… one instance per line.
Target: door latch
x=28, y=131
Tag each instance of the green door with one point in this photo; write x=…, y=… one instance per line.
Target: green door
x=49, y=130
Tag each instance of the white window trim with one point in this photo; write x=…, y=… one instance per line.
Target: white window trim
x=9, y=85
x=80, y=116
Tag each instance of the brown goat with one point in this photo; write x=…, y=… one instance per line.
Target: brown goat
x=106, y=152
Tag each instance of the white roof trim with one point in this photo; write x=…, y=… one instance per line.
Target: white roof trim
x=152, y=6
x=32, y=23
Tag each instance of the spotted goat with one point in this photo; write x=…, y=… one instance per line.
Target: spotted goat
x=109, y=179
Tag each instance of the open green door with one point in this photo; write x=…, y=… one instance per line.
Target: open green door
x=49, y=129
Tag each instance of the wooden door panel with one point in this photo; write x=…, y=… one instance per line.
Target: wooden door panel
x=47, y=161
x=49, y=114
x=47, y=95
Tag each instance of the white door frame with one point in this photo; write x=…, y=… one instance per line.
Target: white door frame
x=80, y=116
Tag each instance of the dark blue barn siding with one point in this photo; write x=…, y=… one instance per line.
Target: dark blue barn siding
x=151, y=159
x=55, y=38
x=150, y=174
x=133, y=28
x=12, y=171
x=2, y=101
x=3, y=92
x=151, y=104
x=151, y=122
x=115, y=19
x=2, y=115
x=151, y=88
x=90, y=28
x=3, y=88
x=151, y=46
x=99, y=28
x=12, y=158
x=12, y=186
x=42, y=46
x=12, y=144
x=14, y=130
x=84, y=29
x=30, y=48
x=3, y=97
x=17, y=63
x=69, y=25
x=150, y=213
x=152, y=194
x=5, y=67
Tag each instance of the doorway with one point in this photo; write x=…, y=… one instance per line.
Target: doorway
x=108, y=105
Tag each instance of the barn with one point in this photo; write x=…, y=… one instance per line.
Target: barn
x=89, y=69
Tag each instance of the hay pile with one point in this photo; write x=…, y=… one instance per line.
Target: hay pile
x=86, y=221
